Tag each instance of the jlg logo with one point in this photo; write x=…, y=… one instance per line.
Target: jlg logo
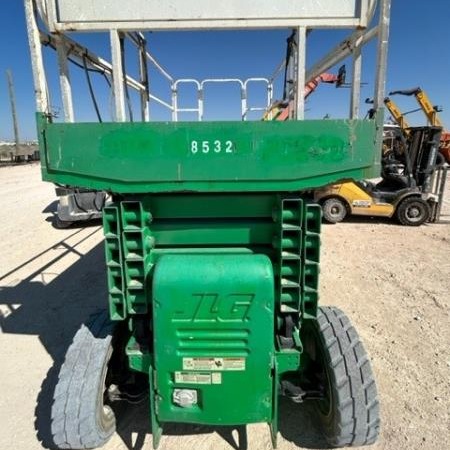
x=214, y=308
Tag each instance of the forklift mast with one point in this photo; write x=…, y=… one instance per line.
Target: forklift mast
x=430, y=110
x=431, y=113
x=397, y=115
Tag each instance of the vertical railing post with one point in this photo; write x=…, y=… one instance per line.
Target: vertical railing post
x=356, y=79
x=118, y=88
x=244, y=106
x=269, y=94
x=37, y=63
x=174, y=102
x=201, y=103
x=301, y=74
x=64, y=80
x=143, y=74
x=383, y=36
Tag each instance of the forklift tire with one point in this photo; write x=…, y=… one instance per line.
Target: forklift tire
x=80, y=418
x=334, y=210
x=62, y=224
x=350, y=412
x=440, y=160
x=413, y=211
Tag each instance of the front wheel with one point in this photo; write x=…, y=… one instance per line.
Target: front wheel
x=349, y=411
x=413, y=211
x=81, y=419
x=334, y=210
x=440, y=160
x=62, y=224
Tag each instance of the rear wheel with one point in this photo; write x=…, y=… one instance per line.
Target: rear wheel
x=413, y=211
x=81, y=419
x=62, y=224
x=349, y=411
x=334, y=210
x=440, y=159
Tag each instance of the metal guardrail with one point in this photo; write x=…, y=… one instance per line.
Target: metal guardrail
x=200, y=85
x=44, y=18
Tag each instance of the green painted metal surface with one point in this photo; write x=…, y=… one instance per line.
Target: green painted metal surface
x=212, y=256
x=213, y=317
x=214, y=276
x=209, y=156
x=138, y=231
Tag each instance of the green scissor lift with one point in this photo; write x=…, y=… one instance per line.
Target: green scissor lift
x=212, y=244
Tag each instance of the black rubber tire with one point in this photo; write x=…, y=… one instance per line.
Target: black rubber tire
x=62, y=224
x=80, y=420
x=440, y=160
x=350, y=416
x=413, y=212
x=334, y=210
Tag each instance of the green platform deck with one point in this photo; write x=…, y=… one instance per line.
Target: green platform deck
x=209, y=156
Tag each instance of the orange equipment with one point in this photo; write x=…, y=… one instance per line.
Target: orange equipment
x=280, y=110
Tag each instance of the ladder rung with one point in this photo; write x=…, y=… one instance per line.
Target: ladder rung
x=288, y=309
x=289, y=227
x=290, y=255
x=289, y=284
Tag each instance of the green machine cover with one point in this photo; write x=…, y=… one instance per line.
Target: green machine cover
x=214, y=340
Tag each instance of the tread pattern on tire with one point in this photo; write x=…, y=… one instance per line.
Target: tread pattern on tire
x=326, y=214
x=74, y=420
x=400, y=213
x=356, y=419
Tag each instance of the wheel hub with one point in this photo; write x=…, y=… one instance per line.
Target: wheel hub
x=414, y=213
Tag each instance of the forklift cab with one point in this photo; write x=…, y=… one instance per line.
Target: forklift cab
x=410, y=162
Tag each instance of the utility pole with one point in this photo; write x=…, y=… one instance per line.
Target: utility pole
x=12, y=99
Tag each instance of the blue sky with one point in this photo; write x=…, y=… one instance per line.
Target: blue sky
x=419, y=55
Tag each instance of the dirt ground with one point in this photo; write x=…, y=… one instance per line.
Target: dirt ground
x=394, y=283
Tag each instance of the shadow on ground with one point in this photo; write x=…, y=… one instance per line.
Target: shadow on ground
x=54, y=311
x=297, y=425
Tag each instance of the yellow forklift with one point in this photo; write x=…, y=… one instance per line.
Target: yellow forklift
x=408, y=190
x=413, y=174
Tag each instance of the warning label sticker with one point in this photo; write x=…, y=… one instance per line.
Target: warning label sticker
x=233, y=363
x=361, y=203
x=216, y=378
x=213, y=363
x=193, y=378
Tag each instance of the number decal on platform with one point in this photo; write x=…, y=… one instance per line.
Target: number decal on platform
x=216, y=146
